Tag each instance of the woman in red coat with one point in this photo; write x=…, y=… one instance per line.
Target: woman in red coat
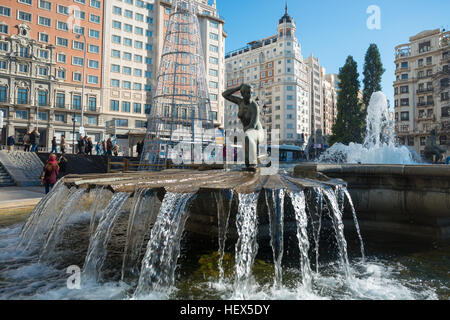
x=50, y=173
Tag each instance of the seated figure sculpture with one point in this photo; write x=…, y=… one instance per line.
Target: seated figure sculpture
x=249, y=116
x=433, y=149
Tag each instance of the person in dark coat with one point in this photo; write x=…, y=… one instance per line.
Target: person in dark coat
x=81, y=145
x=10, y=142
x=54, y=146
x=62, y=162
x=27, y=142
x=109, y=147
x=50, y=173
x=139, y=148
x=34, y=139
x=89, y=146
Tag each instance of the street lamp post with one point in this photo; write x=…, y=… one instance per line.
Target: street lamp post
x=83, y=81
x=73, y=133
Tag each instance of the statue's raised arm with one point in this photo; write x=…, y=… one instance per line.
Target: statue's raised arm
x=229, y=95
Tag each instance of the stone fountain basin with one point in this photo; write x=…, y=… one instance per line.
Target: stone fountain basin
x=209, y=186
x=402, y=200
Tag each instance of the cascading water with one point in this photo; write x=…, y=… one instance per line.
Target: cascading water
x=145, y=208
x=299, y=203
x=315, y=212
x=56, y=231
x=379, y=144
x=223, y=218
x=347, y=196
x=163, y=249
x=41, y=218
x=338, y=225
x=275, y=208
x=97, y=246
x=246, y=246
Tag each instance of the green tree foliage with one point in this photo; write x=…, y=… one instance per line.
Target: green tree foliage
x=373, y=71
x=349, y=123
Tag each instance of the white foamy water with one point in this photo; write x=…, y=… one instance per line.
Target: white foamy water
x=24, y=278
x=379, y=146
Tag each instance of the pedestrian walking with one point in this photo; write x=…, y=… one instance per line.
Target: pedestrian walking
x=50, y=173
x=109, y=147
x=89, y=146
x=34, y=139
x=63, y=144
x=98, y=148
x=54, y=146
x=81, y=145
x=26, y=141
x=10, y=143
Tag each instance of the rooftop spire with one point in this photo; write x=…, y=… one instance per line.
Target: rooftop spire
x=286, y=11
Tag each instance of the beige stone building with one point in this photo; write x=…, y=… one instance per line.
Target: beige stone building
x=422, y=88
x=286, y=84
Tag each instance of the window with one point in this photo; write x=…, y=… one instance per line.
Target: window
x=44, y=21
x=3, y=93
x=60, y=117
x=23, y=52
x=127, y=56
x=137, y=58
x=22, y=96
x=128, y=27
x=404, y=116
x=61, y=57
x=136, y=107
x=115, y=53
x=22, y=114
x=94, y=18
x=94, y=33
x=213, y=60
x=23, y=68
x=114, y=105
x=116, y=25
x=43, y=71
x=3, y=65
x=126, y=84
x=42, y=115
x=213, y=48
x=137, y=86
x=92, y=102
x=4, y=29
x=76, y=76
x=62, y=26
x=138, y=44
x=25, y=16
x=115, y=68
x=77, y=61
x=61, y=74
x=121, y=122
x=92, y=79
x=92, y=120
x=148, y=108
x=117, y=10
x=93, y=64
x=115, y=83
x=77, y=45
x=125, y=106
x=63, y=10
x=141, y=124
x=60, y=100
x=76, y=102
x=126, y=70
x=43, y=37
x=4, y=11
x=93, y=48
x=95, y=4
x=128, y=14
x=3, y=46
x=213, y=85
x=214, y=24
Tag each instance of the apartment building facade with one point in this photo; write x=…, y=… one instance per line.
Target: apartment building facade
x=42, y=65
x=281, y=80
x=422, y=88
x=42, y=62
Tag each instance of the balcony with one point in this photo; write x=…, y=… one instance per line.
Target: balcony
x=425, y=103
x=22, y=101
x=425, y=90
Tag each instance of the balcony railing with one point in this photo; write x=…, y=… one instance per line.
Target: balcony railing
x=425, y=90
x=425, y=104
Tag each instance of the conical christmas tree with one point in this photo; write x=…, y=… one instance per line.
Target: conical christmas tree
x=180, y=124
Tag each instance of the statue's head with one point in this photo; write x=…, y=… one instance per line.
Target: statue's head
x=246, y=92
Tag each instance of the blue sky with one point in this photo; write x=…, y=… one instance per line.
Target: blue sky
x=334, y=29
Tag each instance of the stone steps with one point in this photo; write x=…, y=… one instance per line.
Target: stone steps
x=5, y=178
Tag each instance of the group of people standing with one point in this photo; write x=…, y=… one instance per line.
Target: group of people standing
x=30, y=141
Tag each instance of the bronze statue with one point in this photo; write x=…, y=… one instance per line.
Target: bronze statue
x=249, y=116
x=433, y=149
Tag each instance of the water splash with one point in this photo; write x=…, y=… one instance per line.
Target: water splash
x=379, y=144
x=299, y=203
x=163, y=249
x=34, y=231
x=355, y=220
x=247, y=245
x=96, y=254
x=223, y=218
x=315, y=212
x=275, y=209
x=145, y=208
x=338, y=225
x=56, y=231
